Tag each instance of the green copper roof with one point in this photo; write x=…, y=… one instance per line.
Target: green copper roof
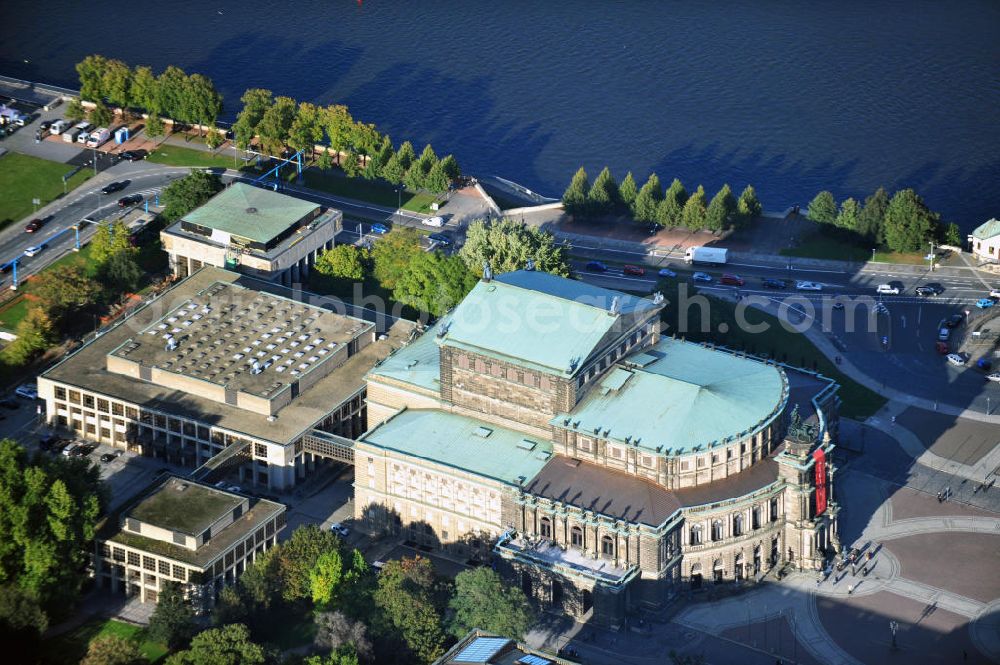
x=987, y=230
x=418, y=363
x=464, y=443
x=250, y=212
x=539, y=320
x=689, y=396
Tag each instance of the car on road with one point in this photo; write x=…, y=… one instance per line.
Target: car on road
x=34, y=225
x=702, y=277
x=131, y=199
x=808, y=286
x=27, y=391
x=113, y=187
x=134, y=155
x=235, y=488
x=927, y=291
x=440, y=238
x=983, y=303
x=954, y=320
x=774, y=284
x=34, y=250
x=956, y=359
x=944, y=334
x=995, y=377
x=666, y=272
x=629, y=269
x=221, y=484
x=596, y=266
x=732, y=280
x=995, y=293
x=433, y=221
x=340, y=529
x=380, y=229
x=887, y=290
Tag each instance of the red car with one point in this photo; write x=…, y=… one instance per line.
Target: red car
x=34, y=225
x=630, y=269
x=733, y=280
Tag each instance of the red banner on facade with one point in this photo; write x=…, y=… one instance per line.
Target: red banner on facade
x=820, y=458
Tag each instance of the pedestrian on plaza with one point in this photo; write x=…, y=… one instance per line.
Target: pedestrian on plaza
x=870, y=554
x=894, y=420
x=850, y=589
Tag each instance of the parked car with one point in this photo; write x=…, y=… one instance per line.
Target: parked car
x=702, y=277
x=107, y=457
x=808, y=286
x=887, y=290
x=340, y=529
x=983, y=303
x=380, y=229
x=995, y=377
x=630, y=269
x=666, y=272
x=944, y=334
x=984, y=365
x=235, y=488
x=134, y=155
x=440, y=238
x=774, y=284
x=27, y=391
x=34, y=225
x=113, y=187
x=44, y=125
x=596, y=266
x=433, y=221
x=954, y=320
x=942, y=348
x=732, y=280
x=131, y=199
x=956, y=359
x=34, y=250
x=70, y=451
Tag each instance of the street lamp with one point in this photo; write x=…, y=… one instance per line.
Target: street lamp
x=873, y=254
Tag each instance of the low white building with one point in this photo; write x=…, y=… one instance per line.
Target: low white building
x=985, y=241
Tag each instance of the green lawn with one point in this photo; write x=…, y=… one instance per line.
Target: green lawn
x=172, y=155
x=774, y=342
x=23, y=178
x=371, y=191
x=70, y=647
x=829, y=246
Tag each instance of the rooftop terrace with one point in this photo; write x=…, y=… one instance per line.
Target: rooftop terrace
x=184, y=506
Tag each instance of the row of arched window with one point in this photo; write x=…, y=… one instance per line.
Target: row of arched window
x=576, y=537
x=737, y=525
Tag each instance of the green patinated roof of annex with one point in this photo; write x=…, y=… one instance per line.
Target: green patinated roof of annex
x=230, y=211
x=418, y=363
x=678, y=395
x=538, y=320
x=987, y=230
x=464, y=443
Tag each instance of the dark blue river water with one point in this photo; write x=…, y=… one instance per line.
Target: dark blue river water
x=793, y=97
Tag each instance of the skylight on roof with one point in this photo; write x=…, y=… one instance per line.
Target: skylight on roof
x=483, y=432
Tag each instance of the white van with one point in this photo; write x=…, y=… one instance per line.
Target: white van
x=58, y=127
x=433, y=221
x=887, y=289
x=98, y=137
x=84, y=135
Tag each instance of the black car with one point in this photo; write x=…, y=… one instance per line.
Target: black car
x=440, y=238
x=107, y=457
x=774, y=284
x=58, y=447
x=7, y=267
x=47, y=441
x=113, y=187
x=134, y=155
x=44, y=125
x=131, y=199
x=928, y=290
x=9, y=403
x=954, y=320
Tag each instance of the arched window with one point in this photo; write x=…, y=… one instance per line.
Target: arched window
x=716, y=529
x=774, y=510
x=696, y=534
x=738, y=524
x=755, y=517
x=545, y=527
x=576, y=536
x=608, y=546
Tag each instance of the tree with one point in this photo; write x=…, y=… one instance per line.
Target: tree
x=343, y=261
x=482, y=600
x=603, y=195
x=335, y=629
x=306, y=130
x=406, y=601
x=437, y=179
x=109, y=240
x=351, y=165
x=154, y=126
x=392, y=254
x=324, y=161
x=720, y=211
x=575, y=197
x=434, y=283
x=112, y=650
x=326, y=578
x=871, y=219
x=65, y=288
x=693, y=215
x=627, y=192
x=185, y=194
x=256, y=102
x=75, y=111
x=908, y=222
x=823, y=208
x=35, y=333
x=173, y=89
x=172, y=622
x=648, y=200
x=275, y=125
x=213, y=137
x=100, y=115
x=145, y=92
x=203, y=103
x=378, y=159
x=339, y=127
x=847, y=218
x=416, y=177
x=669, y=210
x=748, y=207
x=22, y=619
x=298, y=556
x=450, y=166
x=91, y=72
x=228, y=645
x=343, y=655
x=508, y=245
x=116, y=83
x=952, y=235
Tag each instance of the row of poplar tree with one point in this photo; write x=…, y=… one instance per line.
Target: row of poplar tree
x=674, y=207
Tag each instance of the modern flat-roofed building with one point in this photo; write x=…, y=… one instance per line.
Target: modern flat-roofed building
x=627, y=466
x=223, y=362
x=254, y=231
x=178, y=530
x=482, y=648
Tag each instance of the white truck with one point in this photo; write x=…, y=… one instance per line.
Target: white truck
x=69, y=135
x=98, y=137
x=58, y=127
x=714, y=255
